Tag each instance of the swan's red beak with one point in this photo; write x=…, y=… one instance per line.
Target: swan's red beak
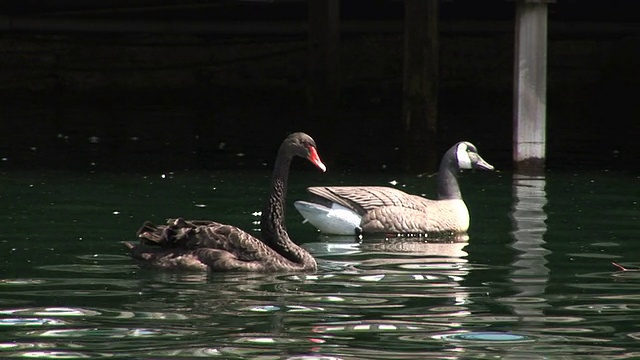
x=315, y=159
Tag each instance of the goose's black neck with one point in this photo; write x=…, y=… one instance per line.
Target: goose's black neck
x=272, y=226
x=448, y=187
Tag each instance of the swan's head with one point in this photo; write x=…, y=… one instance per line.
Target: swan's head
x=303, y=145
x=468, y=158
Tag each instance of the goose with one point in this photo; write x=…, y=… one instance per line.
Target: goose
x=204, y=245
x=353, y=210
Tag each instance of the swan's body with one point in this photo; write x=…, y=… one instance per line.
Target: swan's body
x=348, y=210
x=208, y=245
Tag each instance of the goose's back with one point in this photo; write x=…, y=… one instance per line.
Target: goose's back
x=363, y=199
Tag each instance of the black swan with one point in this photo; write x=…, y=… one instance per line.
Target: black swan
x=348, y=210
x=211, y=246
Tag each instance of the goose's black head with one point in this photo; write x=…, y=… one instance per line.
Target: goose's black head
x=467, y=157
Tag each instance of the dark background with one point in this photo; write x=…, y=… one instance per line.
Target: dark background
x=97, y=85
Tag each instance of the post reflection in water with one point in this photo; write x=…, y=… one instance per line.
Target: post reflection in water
x=530, y=274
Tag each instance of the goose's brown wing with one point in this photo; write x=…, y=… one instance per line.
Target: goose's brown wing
x=444, y=217
x=363, y=199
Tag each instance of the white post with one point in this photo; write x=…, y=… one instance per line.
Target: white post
x=530, y=85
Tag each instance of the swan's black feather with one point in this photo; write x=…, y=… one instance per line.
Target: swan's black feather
x=208, y=245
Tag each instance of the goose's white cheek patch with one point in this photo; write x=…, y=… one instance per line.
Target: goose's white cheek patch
x=464, y=162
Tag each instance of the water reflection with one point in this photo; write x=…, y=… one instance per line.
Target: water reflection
x=447, y=250
x=406, y=270
x=530, y=275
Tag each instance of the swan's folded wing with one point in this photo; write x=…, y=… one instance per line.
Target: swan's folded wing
x=363, y=199
x=176, y=233
x=185, y=244
x=198, y=234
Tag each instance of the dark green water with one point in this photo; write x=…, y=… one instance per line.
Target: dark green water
x=535, y=279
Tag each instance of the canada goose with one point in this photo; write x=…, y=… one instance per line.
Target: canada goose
x=208, y=245
x=349, y=210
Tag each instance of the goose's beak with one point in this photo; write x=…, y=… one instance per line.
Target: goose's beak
x=315, y=159
x=481, y=164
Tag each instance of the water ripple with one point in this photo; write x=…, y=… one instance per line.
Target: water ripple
x=74, y=287
x=276, y=308
x=364, y=326
x=53, y=315
x=21, y=282
x=89, y=268
x=55, y=355
x=489, y=338
x=111, y=333
x=605, y=286
x=605, y=308
x=104, y=257
x=47, y=350
x=30, y=322
x=601, y=329
x=50, y=311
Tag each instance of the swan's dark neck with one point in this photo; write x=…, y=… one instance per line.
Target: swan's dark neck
x=448, y=187
x=274, y=231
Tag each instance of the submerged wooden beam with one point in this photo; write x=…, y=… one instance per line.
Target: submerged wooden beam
x=420, y=85
x=530, y=85
x=324, y=55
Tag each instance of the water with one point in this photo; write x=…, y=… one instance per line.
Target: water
x=535, y=280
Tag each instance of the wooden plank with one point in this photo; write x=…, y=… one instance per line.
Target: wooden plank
x=420, y=86
x=530, y=86
x=324, y=55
